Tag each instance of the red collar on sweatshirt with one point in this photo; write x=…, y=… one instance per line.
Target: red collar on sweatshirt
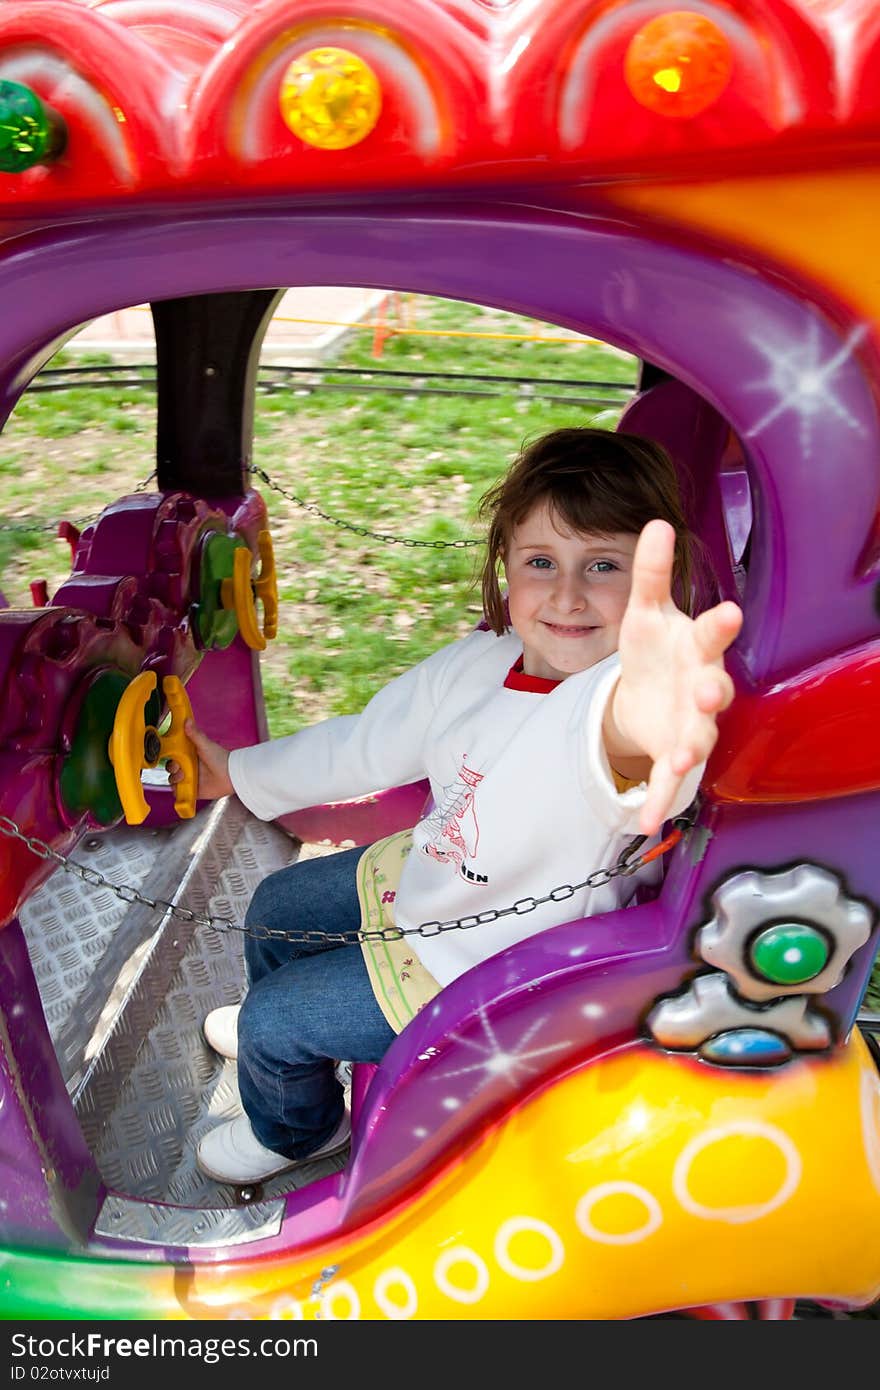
x=516, y=679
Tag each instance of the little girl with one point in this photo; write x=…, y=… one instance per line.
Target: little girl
x=581, y=716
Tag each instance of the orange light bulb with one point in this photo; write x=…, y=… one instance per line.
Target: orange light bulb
x=678, y=64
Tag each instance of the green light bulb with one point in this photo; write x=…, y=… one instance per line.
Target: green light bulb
x=30, y=131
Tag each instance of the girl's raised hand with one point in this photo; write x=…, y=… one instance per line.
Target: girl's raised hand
x=213, y=765
x=672, y=678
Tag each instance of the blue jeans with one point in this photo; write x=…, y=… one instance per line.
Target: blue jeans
x=307, y=1005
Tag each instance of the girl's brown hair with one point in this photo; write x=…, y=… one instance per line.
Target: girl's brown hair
x=596, y=481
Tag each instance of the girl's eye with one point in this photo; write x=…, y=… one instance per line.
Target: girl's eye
x=603, y=566
x=540, y=562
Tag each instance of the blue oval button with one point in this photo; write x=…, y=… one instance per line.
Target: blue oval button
x=746, y=1047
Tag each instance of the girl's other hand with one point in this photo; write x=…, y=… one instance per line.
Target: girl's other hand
x=214, y=779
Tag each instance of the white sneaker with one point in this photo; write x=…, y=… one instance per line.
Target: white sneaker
x=221, y=1030
x=232, y=1153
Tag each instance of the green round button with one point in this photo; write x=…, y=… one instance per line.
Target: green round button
x=790, y=953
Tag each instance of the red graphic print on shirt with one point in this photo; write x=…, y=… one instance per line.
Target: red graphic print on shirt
x=455, y=832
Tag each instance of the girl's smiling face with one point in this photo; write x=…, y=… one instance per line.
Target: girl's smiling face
x=567, y=593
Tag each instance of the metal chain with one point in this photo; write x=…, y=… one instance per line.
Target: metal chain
x=25, y=527
x=41, y=527
x=628, y=863
x=348, y=526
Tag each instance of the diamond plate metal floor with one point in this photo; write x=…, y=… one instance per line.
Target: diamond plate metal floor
x=125, y=989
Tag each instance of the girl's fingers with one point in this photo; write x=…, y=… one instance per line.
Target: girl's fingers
x=669, y=770
x=193, y=732
x=694, y=739
x=683, y=759
x=652, y=565
x=713, y=692
x=662, y=787
x=694, y=749
x=715, y=629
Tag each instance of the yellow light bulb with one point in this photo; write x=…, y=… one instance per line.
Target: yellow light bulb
x=330, y=98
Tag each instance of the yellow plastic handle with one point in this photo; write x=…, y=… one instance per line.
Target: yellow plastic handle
x=241, y=593
x=134, y=744
x=175, y=744
x=266, y=587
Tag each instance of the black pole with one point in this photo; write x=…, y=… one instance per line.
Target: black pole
x=207, y=355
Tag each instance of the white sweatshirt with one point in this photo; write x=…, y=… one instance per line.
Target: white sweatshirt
x=524, y=800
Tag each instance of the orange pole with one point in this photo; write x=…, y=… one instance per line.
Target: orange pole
x=381, y=330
